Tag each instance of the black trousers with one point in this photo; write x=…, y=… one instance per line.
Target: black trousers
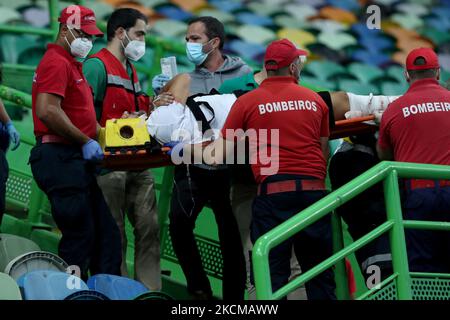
x=90, y=237
x=193, y=189
x=428, y=251
x=363, y=213
x=312, y=245
x=3, y=178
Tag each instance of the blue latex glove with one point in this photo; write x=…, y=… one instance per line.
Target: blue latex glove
x=159, y=81
x=172, y=144
x=92, y=151
x=14, y=136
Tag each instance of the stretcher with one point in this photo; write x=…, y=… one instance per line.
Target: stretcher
x=130, y=152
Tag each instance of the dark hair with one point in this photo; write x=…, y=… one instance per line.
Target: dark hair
x=214, y=28
x=421, y=74
x=125, y=18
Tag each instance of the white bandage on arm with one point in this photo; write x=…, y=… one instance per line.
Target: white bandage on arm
x=363, y=105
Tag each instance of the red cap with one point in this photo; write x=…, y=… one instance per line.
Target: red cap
x=283, y=52
x=81, y=18
x=431, y=59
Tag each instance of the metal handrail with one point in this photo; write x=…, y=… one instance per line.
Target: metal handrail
x=388, y=172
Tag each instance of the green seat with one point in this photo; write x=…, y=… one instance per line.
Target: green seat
x=300, y=11
x=264, y=9
x=222, y=16
x=438, y=37
x=324, y=70
x=102, y=9
x=8, y=15
x=390, y=88
x=407, y=21
x=255, y=34
x=290, y=22
x=336, y=40
x=31, y=56
x=357, y=87
x=397, y=73
x=12, y=246
x=11, y=46
x=170, y=28
x=9, y=290
x=364, y=72
x=317, y=83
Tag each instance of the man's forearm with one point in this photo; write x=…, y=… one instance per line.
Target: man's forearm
x=57, y=121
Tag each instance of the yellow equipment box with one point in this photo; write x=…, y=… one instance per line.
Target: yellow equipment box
x=124, y=134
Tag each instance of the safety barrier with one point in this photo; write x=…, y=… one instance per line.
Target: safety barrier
x=402, y=284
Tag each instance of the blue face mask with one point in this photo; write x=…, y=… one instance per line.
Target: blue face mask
x=195, y=54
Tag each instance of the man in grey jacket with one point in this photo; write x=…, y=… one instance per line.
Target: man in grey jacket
x=205, y=38
x=199, y=184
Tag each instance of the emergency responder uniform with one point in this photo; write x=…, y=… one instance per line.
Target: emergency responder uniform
x=415, y=128
x=301, y=117
x=90, y=237
x=132, y=192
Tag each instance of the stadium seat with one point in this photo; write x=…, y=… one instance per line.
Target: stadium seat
x=33, y=261
x=438, y=23
x=245, y=49
x=286, y=21
x=249, y=18
x=115, y=287
x=9, y=290
x=301, y=11
x=336, y=40
x=226, y=5
x=327, y=26
x=170, y=28
x=11, y=46
x=357, y=87
x=190, y=5
x=444, y=61
x=396, y=72
x=12, y=246
x=319, y=83
x=8, y=15
x=375, y=59
x=222, y=16
x=412, y=8
x=393, y=88
x=50, y=285
x=336, y=14
x=300, y=38
x=255, y=34
x=102, y=9
x=363, y=72
x=349, y=5
x=376, y=44
x=407, y=21
x=173, y=12
x=36, y=16
x=324, y=70
x=31, y=56
x=438, y=37
x=264, y=9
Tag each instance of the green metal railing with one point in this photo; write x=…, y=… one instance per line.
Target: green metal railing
x=388, y=172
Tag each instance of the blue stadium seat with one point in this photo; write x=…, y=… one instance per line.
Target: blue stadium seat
x=49, y=285
x=349, y=5
x=254, y=19
x=115, y=287
x=174, y=13
x=227, y=6
x=376, y=59
x=245, y=49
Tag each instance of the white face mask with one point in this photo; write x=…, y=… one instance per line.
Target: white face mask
x=135, y=49
x=79, y=47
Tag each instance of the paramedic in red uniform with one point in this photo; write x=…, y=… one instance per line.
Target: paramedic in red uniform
x=116, y=89
x=415, y=128
x=301, y=116
x=63, y=160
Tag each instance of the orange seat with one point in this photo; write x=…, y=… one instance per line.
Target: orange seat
x=336, y=14
x=190, y=5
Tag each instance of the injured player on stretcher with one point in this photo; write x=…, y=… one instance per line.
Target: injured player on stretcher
x=185, y=119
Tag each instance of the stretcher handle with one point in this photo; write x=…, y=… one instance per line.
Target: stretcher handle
x=354, y=120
